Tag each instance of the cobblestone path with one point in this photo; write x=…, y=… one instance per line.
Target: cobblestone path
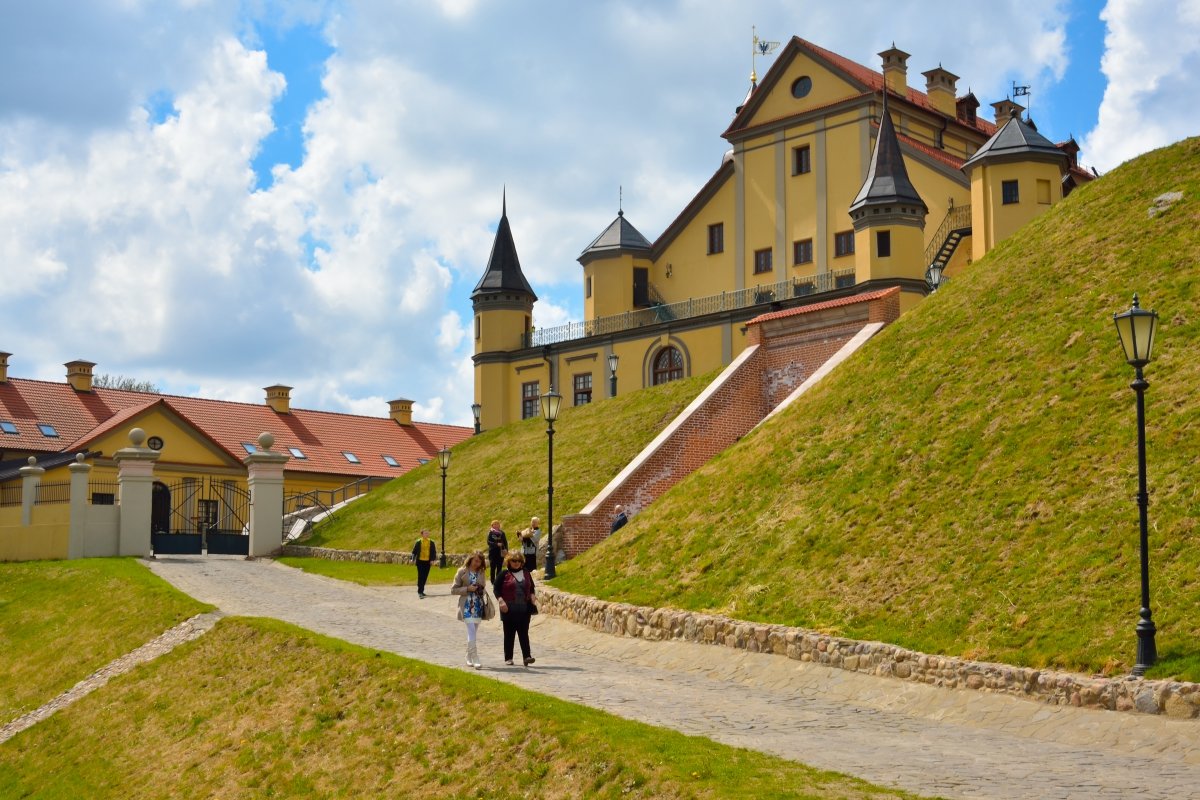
x=952, y=743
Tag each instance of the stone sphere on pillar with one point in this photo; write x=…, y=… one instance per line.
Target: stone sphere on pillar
x=138, y=437
x=265, y=440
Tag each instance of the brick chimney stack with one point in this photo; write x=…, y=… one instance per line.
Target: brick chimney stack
x=79, y=375
x=4, y=367
x=400, y=410
x=279, y=398
x=895, y=70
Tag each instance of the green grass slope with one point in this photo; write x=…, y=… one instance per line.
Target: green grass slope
x=501, y=474
x=965, y=484
x=257, y=708
x=60, y=621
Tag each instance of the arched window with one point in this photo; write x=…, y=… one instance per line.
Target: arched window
x=668, y=366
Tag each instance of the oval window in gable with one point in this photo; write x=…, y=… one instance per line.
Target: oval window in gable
x=801, y=87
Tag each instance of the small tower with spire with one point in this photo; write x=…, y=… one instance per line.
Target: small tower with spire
x=503, y=304
x=616, y=270
x=888, y=213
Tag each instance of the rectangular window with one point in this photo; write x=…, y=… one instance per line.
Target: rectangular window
x=801, y=162
x=1043, y=192
x=249, y=448
x=391, y=462
x=421, y=461
x=353, y=459
x=530, y=392
x=47, y=430
x=843, y=281
x=583, y=389
x=104, y=499
x=843, y=243
x=762, y=261
x=8, y=427
x=297, y=452
x=802, y=251
x=883, y=243
x=477, y=327
x=1010, y=193
x=587, y=292
x=641, y=287
x=716, y=238
x=206, y=512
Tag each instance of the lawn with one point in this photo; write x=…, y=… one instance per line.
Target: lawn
x=328, y=719
x=62, y=620
x=366, y=574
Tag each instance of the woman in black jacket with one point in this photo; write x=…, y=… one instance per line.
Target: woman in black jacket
x=514, y=592
x=497, y=545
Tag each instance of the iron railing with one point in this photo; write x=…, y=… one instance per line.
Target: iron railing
x=321, y=502
x=957, y=218
x=52, y=493
x=10, y=495
x=103, y=493
x=692, y=307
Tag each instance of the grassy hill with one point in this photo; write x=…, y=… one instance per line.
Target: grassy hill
x=328, y=719
x=60, y=621
x=501, y=474
x=964, y=485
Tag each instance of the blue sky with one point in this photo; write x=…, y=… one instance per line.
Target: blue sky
x=219, y=195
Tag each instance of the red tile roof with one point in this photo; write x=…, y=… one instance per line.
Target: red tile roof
x=322, y=436
x=865, y=297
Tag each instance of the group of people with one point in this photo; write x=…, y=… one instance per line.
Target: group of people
x=510, y=578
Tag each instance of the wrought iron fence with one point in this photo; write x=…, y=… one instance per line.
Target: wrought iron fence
x=692, y=307
x=52, y=493
x=103, y=493
x=306, y=505
x=10, y=495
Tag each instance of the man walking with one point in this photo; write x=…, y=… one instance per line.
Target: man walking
x=423, y=553
x=619, y=520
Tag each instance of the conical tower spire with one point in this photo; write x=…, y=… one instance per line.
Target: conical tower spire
x=503, y=273
x=887, y=180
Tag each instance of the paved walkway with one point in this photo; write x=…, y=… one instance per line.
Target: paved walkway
x=953, y=743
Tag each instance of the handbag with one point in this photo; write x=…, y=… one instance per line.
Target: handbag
x=489, y=608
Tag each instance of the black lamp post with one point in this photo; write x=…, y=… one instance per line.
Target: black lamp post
x=612, y=373
x=1136, y=329
x=935, y=276
x=444, y=463
x=550, y=405
x=475, y=409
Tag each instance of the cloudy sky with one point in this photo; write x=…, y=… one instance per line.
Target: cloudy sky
x=218, y=195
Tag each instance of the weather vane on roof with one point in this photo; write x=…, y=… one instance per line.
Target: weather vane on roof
x=760, y=47
x=1022, y=91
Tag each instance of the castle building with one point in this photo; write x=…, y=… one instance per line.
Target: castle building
x=840, y=180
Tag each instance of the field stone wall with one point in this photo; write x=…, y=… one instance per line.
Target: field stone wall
x=1176, y=699
x=364, y=556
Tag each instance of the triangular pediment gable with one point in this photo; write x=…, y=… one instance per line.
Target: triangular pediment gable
x=828, y=82
x=183, y=442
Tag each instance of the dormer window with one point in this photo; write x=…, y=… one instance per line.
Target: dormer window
x=47, y=430
x=353, y=459
x=9, y=428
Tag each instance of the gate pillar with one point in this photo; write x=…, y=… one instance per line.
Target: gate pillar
x=265, y=479
x=79, y=506
x=135, y=482
x=31, y=476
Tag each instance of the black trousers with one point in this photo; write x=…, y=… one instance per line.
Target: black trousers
x=531, y=562
x=495, y=564
x=422, y=575
x=516, y=624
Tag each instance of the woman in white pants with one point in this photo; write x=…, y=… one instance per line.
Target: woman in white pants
x=469, y=583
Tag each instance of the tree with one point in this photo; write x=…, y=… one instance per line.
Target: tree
x=106, y=381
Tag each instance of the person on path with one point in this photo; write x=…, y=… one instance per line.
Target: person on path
x=497, y=545
x=529, y=543
x=515, y=596
x=424, y=552
x=469, y=586
x=619, y=520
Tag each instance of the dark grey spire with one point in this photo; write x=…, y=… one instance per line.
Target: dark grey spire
x=503, y=273
x=887, y=180
x=619, y=236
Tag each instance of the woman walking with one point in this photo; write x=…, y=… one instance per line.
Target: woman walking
x=469, y=586
x=514, y=595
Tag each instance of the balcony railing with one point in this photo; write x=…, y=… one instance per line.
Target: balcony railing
x=692, y=307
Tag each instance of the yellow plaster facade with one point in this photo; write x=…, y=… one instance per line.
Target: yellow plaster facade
x=772, y=228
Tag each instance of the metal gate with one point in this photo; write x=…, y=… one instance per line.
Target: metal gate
x=194, y=516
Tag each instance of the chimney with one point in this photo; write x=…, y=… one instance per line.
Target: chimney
x=401, y=411
x=895, y=70
x=966, y=106
x=940, y=86
x=1005, y=110
x=279, y=398
x=4, y=367
x=79, y=375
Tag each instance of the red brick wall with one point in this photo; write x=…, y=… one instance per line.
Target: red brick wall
x=791, y=348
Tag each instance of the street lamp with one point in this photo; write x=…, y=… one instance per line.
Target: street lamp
x=612, y=373
x=444, y=463
x=550, y=404
x=1136, y=330
x=475, y=409
x=935, y=276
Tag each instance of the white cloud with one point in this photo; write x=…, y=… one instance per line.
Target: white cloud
x=1151, y=59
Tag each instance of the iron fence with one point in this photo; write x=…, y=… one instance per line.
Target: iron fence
x=103, y=493
x=10, y=495
x=52, y=493
x=693, y=307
